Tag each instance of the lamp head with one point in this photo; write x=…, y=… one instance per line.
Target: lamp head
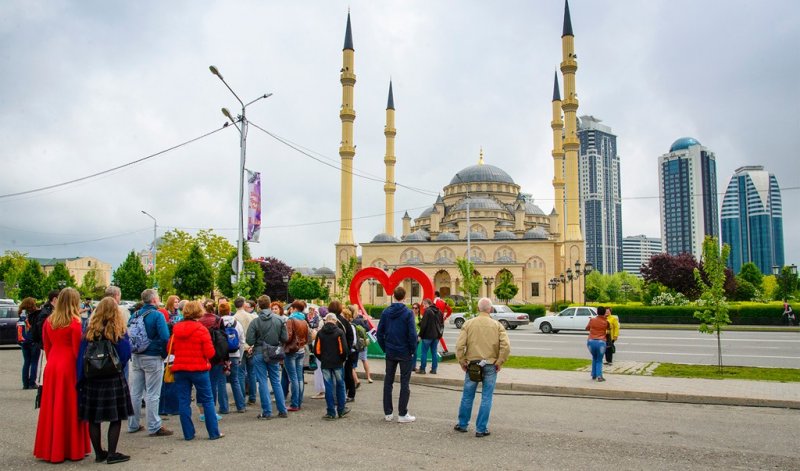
x=214, y=70
x=227, y=113
x=776, y=270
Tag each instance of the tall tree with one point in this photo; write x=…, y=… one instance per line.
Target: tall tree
x=348, y=271
x=506, y=288
x=274, y=270
x=12, y=263
x=676, y=272
x=750, y=273
x=130, y=277
x=31, y=281
x=714, y=315
x=90, y=286
x=470, y=283
x=194, y=276
x=304, y=287
x=60, y=277
x=174, y=247
x=252, y=283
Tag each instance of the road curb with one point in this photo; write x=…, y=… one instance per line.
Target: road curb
x=600, y=393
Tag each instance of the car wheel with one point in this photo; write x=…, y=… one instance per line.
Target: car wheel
x=514, y=327
x=459, y=323
x=546, y=328
x=504, y=323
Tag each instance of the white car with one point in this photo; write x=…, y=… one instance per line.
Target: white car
x=571, y=318
x=502, y=314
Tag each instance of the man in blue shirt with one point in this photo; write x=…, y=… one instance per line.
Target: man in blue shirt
x=147, y=367
x=397, y=336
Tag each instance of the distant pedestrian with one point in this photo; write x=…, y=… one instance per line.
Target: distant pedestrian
x=481, y=350
x=789, y=317
x=416, y=311
x=105, y=398
x=429, y=333
x=611, y=336
x=330, y=348
x=30, y=351
x=397, y=336
x=597, y=327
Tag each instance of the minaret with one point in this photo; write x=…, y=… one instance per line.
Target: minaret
x=569, y=65
x=389, y=187
x=557, y=221
x=346, y=247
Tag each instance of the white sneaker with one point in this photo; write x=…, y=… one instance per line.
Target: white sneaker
x=389, y=418
x=406, y=419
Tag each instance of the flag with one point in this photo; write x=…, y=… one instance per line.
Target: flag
x=253, y=206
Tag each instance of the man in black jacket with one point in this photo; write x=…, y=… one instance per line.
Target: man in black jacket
x=335, y=307
x=330, y=348
x=38, y=318
x=429, y=334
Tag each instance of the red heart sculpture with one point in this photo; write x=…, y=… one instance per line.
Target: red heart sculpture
x=388, y=282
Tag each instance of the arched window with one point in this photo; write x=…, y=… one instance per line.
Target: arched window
x=505, y=254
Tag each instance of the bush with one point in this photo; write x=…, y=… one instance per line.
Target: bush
x=532, y=310
x=745, y=314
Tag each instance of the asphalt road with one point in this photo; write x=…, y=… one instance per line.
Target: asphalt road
x=766, y=349
x=528, y=432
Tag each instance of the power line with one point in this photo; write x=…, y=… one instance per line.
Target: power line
x=114, y=236
x=113, y=169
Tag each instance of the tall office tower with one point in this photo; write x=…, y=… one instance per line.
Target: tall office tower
x=752, y=221
x=637, y=250
x=687, y=187
x=601, y=204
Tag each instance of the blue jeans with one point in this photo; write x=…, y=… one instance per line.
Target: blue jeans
x=247, y=378
x=219, y=387
x=468, y=397
x=146, y=375
x=262, y=369
x=238, y=393
x=334, y=383
x=429, y=344
x=597, y=348
x=184, y=380
x=294, y=368
x=30, y=364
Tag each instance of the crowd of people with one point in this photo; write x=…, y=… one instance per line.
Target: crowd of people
x=115, y=365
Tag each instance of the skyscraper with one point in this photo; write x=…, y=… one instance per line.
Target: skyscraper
x=687, y=187
x=752, y=221
x=600, y=201
x=637, y=250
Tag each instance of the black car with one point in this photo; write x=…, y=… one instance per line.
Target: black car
x=8, y=324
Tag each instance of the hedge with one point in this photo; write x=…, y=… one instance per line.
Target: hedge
x=532, y=310
x=740, y=315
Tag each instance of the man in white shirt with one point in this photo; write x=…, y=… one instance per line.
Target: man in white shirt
x=116, y=294
x=247, y=380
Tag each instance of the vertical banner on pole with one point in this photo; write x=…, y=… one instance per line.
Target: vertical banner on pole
x=254, y=206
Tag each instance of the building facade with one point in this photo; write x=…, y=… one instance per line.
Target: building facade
x=687, y=179
x=482, y=214
x=637, y=250
x=752, y=219
x=78, y=267
x=601, y=202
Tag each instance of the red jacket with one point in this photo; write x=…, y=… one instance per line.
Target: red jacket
x=192, y=347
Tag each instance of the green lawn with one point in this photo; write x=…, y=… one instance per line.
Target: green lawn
x=545, y=363
x=676, y=370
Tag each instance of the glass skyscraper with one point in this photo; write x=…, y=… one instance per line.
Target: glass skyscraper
x=599, y=191
x=752, y=221
x=687, y=180
x=637, y=250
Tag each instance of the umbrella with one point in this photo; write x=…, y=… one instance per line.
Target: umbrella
x=39, y=374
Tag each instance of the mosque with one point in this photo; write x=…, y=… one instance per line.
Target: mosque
x=481, y=208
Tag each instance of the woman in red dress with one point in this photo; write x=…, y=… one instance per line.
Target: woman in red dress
x=60, y=434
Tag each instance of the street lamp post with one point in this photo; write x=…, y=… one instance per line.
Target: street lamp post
x=587, y=268
x=242, y=120
x=286, y=281
x=153, y=252
x=570, y=277
x=553, y=283
x=487, y=280
x=563, y=280
x=780, y=276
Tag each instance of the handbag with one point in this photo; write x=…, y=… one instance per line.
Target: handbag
x=169, y=376
x=101, y=360
x=273, y=353
x=475, y=371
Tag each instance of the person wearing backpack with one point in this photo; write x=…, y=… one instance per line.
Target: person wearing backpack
x=219, y=388
x=362, y=328
x=30, y=351
x=148, y=334
x=352, y=355
x=429, y=334
x=297, y=339
x=265, y=334
x=330, y=348
x=235, y=335
x=103, y=390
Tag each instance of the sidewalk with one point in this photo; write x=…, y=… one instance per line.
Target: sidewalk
x=620, y=386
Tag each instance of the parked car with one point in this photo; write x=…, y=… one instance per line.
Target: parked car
x=8, y=324
x=571, y=318
x=501, y=313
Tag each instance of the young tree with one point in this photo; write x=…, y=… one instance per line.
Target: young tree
x=31, y=281
x=304, y=287
x=252, y=283
x=786, y=284
x=750, y=273
x=91, y=287
x=174, y=247
x=769, y=284
x=12, y=263
x=506, y=288
x=714, y=315
x=470, y=284
x=348, y=270
x=194, y=276
x=130, y=277
x=60, y=277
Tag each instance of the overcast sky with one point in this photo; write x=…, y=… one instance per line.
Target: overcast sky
x=89, y=85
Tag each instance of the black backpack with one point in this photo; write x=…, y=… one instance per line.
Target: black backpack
x=220, y=340
x=100, y=360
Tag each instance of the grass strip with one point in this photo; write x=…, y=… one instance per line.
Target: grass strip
x=546, y=363
x=677, y=370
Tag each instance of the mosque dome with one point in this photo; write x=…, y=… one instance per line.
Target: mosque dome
x=446, y=236
x=504, y=235
x=384, y=237
x=537, y=233
x=481, y=173
x=418, y=236
x=684, y=143
x=477, y=203
x=427, y=212
x=324, y=271
x=532, y=209
x=477, y=236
